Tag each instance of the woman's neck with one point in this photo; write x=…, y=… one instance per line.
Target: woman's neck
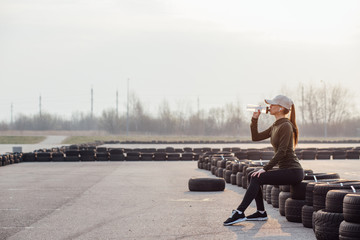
x=279, y=116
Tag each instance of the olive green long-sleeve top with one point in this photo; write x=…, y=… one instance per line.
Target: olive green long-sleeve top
x=281, y=138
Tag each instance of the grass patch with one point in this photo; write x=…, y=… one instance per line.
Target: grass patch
x=21, y=139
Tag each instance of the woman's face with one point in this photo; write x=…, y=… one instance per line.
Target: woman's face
x=274, y=109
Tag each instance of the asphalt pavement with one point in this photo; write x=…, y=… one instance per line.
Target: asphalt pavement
x=133, y=200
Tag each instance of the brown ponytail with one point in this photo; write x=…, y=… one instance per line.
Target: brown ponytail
x=293, y=121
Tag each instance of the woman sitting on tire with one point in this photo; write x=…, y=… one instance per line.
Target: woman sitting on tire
x=283, y=135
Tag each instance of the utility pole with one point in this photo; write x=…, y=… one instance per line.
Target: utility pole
x=92, y=102
x=40, y=105
x=127, y=109
x=117, y=103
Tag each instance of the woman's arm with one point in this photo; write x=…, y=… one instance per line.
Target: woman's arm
x=255, y=135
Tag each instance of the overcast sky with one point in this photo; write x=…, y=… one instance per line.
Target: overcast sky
x=219, y=51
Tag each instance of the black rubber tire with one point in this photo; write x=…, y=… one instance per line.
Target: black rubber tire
x=57, y=157
x=298, y=190
x=308, y=154
x=306, y=216
x=187, y=156
x=323, y=155
x=309, y=190
x=221, y=172
x=351, y=208
x=43, y=157
x=339, y=154
x=160, y=156
x=284, y=188
x=264, y=191
x=275, y=196
x=282, y=199
x=293, y=209
x=349, y=231
x=233, y=179
x=117, y=157
x=175, y=157
x=206, y=184
x=116, y=151
x=327, y=225
x=268, y=193
x=334, y=200
x=320, y=191
x=352, y=154
x=322, y=176
x=239, y=176
x=213, y=169
x=227, y=176
x=253, y=155
x=235, y=168
x=244, y=182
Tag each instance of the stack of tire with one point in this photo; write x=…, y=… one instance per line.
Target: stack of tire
x=308, y=209
x=133, y=156
x=283, y=196
x=352, y=154
x=329, y=208
x=296, y=202
x=350, y=228
x=308, y=154
x=87, y=155
x=72, y=155
x=57, y=156
x=102, y=154
x=116, y=154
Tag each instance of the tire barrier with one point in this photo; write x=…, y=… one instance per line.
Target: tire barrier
x=323, y=155
x=340, y=205
x=349, y=231
x=327, y=224
x=206, y=184
x=307, y=216
x=283, y=196
x=275, y=196
x=320, y=191
x=313, y=202
x=351, y=208
x=87, y=155
x=293, y=208
x=84, y=153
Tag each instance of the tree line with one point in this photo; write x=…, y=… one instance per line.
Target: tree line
x=315, y=107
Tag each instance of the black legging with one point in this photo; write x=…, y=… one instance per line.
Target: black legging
x=273, y=177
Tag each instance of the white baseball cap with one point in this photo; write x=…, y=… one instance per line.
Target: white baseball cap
x=280, y=100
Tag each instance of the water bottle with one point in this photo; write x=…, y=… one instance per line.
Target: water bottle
x=255, y=108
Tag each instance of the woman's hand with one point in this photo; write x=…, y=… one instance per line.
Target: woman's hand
x=258, y=173
x=256, y=114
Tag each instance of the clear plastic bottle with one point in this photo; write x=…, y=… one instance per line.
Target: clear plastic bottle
x=255, y=108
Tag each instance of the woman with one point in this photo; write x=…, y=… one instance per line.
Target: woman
x=283, y=136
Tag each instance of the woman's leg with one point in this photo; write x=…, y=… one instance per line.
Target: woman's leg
x=276, y=177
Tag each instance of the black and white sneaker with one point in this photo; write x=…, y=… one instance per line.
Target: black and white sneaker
x=258, y=216
x=236, y=216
